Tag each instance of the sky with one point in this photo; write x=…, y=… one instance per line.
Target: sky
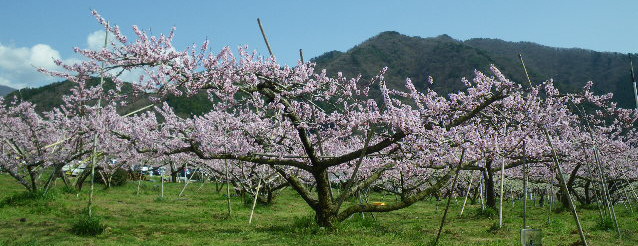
x=32, y=33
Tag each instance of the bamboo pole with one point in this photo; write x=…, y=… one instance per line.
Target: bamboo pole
x=469, y=187
x=94, y=155
x=500, y=210
x=139, y=181
x=597, y=192
x=606, y=190
x=263, y=34
x=524, y=187
x=162, y=178
x=228, y=188
x=252, y=210
x=633, y=78
x=549, y=198
x=558, y=169
x=481, y=191
x=188, y=179
x=447, y=206
x=564, y=189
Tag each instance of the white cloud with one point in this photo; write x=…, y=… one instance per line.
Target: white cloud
x=43, y=55
x=95, y=40
x=18, y=65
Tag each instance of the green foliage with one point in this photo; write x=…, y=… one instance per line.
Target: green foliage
x=197, y=176
x=357, y=222
x=303, y=222
x=559, y=208
x=161, y=199
x=606, y=224
x=487, y=213
x=69, y=190
x=88, y=226
x=28, y=198
x=591, y=206
x=119, y=178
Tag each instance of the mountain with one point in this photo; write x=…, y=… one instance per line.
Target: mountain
x=447, y=60
x=444, y=58
x=49, y=96
x=4, y=90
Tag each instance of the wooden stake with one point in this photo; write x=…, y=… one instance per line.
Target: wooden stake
x=481, y=191
x=228, y=188
x=252, y=211
x=94, y=155
x=263, y=34
x=524, y=187
x=447, y=206
x=557, y=168
x=633, y=78
x=187, y=181
x=469, y=187
x=162, y=178
x=139, y=182
x=500, y=210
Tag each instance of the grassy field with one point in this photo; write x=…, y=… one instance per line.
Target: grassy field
x=199, y=218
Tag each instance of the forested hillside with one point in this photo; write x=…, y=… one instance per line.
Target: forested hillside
x=447, y=60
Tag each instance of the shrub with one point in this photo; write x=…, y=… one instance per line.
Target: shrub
x=120, y=177
x=606, y=224
x=197, y=176
x=88, y=226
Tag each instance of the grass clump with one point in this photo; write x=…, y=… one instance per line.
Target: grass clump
x=487, y=213
x=496, y=228
x=88, y=226
x=161, y=199
x=606, y=224
x=69, y=190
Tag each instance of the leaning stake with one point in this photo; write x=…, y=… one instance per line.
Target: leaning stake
x=94, y=155
x=633, y=78
x=449, y=198
x=263, y=34
x=557, y=168
x=252, y=211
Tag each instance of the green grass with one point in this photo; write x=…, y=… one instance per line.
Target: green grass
x=200, y=218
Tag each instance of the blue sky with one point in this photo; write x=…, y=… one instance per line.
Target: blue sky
x=31, y=32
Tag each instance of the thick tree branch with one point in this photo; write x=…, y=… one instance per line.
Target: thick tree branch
x=299, y=187
x=399, y=205
x=350, y=191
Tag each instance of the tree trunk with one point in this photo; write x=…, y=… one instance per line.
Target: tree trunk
x=588, y=198
x=490, y=193
x=173, y=173
x=326, y=211
x=563, y=198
